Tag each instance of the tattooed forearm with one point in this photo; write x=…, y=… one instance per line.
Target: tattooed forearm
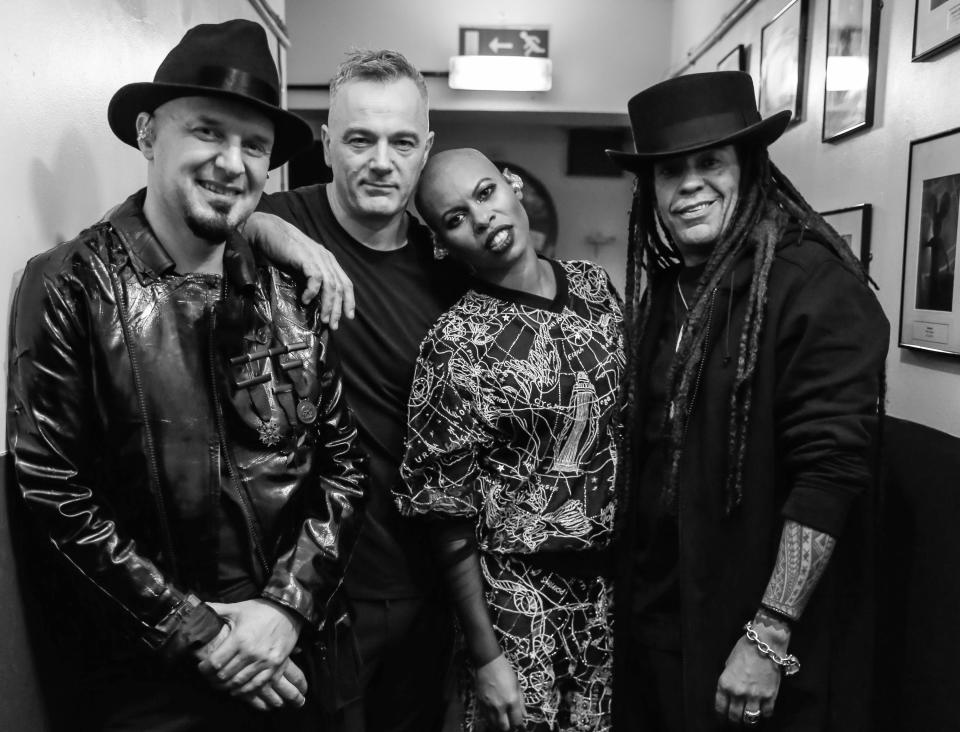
x=768, y=619
x=801, y=560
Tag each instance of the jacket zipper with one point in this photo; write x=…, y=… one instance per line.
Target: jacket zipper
x=241, y=489
x=155, y=488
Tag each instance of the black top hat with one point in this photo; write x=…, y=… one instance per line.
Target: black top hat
x=230, y=60
x=694, y=112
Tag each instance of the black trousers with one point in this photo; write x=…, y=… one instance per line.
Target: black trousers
x=143, y=696
x=654, y=689
x=405, y=648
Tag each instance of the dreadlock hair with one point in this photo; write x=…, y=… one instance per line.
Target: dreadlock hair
x=767, y=203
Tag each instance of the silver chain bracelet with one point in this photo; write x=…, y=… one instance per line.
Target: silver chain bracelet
x=789, y=664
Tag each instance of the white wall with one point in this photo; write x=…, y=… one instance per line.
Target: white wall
x=913, y=100
x=60, y=62
x=602, y=51
x=693, y=21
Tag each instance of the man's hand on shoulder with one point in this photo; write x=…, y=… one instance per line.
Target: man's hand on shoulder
x=289, y=247
x=252, y=651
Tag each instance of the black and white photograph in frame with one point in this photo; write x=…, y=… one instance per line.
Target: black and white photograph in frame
x=782, y=57
x=735, y=60
x=853, y=225
x=852, y=36
x=936, y=26
x=929, y=300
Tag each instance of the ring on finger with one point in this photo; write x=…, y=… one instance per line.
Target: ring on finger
x=751, y=716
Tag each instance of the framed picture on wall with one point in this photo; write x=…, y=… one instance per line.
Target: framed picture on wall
x=936, y=25
x=736, y=60
x=853, y=226
x=930, y=298
x=782, y=48
x=852, y=35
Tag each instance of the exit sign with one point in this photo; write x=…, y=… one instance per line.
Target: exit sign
x=499, y=41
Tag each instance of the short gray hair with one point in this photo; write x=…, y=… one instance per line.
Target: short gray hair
x=383, y=66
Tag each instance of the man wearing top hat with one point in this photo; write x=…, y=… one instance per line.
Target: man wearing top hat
x=757, y=353
x=176, y=418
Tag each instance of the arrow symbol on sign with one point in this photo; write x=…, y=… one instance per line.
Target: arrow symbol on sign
x=496, y=45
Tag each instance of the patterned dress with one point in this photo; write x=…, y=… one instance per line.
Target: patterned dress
x=513, y=422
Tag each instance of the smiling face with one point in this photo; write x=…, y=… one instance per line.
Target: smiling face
x=474, y=211
x=209, y=161
x=376, y=142
x=697, y=196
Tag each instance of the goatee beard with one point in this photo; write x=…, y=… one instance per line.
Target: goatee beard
x=213, y=229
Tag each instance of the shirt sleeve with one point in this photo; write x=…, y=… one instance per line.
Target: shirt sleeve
x=442, y=469
x=831, y=349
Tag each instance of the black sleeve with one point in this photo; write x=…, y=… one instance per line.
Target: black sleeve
x=308, y=574
x=456, y=547
x=832, y=346
x=53, y=433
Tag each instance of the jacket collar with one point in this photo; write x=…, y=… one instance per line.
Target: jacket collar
x=150, y=259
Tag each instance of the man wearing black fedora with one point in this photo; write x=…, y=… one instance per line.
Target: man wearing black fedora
x=177, y=423
x=757, y=352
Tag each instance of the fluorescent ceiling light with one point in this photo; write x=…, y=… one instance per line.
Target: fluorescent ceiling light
x=501, y=73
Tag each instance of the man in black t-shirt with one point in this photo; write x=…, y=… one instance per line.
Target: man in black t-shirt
x=376, y=141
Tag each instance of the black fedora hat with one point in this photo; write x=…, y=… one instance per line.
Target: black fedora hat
x=230, y=60
x=694, y=112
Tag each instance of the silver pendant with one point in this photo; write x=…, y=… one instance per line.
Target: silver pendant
x=269, y=432
x=306, y=411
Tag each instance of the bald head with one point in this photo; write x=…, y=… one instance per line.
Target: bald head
x=444, y=173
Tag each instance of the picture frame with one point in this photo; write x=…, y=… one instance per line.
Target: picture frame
x=929, y=295
x=936, y=26
x=735, y=60
x=853, y=224
x=783, y=44
x=853, y=33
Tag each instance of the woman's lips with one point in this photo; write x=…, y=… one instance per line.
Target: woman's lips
x=500, y=239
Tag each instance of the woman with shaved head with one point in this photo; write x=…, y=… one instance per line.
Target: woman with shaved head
x=511, y=453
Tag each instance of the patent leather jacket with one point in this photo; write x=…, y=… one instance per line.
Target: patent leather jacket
x=139, y=396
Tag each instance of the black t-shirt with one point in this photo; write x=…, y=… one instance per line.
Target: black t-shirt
x=656, y=599
x=399, y=294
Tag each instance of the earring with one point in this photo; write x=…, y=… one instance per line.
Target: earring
x=439, y=251
x=515, y=181
x=141, y=134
